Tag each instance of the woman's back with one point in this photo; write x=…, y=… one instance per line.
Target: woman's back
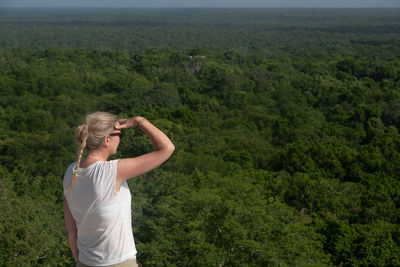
x=101, y=213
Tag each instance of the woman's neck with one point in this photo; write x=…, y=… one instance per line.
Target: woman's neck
x=98, y=155
x=93, y=157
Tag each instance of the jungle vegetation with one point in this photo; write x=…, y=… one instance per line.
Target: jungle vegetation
x=285, y=122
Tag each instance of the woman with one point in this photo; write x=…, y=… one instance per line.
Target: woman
x=97, y=200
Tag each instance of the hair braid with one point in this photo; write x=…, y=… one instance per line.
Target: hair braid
x=81, y=137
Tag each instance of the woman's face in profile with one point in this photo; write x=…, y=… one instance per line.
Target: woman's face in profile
x=115, y=138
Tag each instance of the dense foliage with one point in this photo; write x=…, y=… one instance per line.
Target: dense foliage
x=286, y=126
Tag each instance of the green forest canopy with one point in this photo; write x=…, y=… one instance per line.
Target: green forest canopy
x=286, y=128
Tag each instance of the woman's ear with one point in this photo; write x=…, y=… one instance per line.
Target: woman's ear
x=106, y=140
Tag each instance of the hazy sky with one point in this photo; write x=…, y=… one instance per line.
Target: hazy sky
x=200, y=3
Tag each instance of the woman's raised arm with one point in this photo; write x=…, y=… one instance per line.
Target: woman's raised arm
x=131, y=167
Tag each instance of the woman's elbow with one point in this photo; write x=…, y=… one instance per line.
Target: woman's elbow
x=171, y=149
x=167, y=150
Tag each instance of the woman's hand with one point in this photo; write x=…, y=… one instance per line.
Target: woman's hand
x=128, y=123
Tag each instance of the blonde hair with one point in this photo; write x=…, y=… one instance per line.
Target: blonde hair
x=90, y=135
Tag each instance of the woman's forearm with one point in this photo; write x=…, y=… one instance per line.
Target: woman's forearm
x=72, y=231
x=72, y=238
x=159, y=140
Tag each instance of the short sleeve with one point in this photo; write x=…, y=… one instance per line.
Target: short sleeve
x=68, y=175
x=108, y=179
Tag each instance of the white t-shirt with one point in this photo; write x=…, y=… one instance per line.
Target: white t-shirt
x=102, y=215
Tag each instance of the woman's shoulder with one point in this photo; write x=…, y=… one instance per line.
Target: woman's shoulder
x=107, y=163
x=68, y=174
x=70, y=168
x=112, y=163
x=107, y=166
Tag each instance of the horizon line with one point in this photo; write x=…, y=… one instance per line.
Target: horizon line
x=200, y=7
